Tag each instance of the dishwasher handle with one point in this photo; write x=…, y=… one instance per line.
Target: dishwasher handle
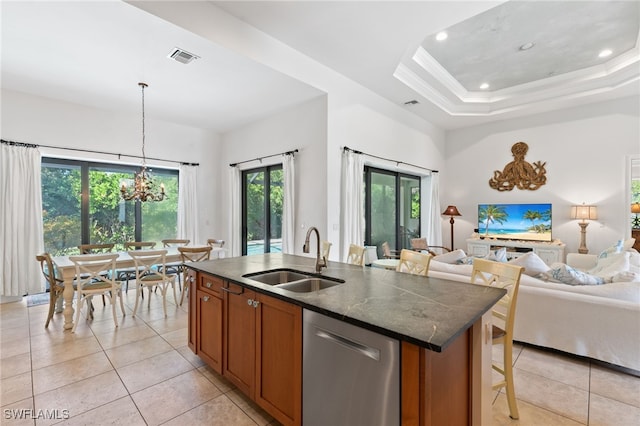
x=367, y=351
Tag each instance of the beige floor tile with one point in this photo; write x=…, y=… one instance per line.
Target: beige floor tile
x=55, y=354
x=256, y=413
x=530, y=415
x=177, y=338
x=19, y=413
x=220, y=411
x=137, y=351
x=106, y=325
x=120, y=412
x=15, y=365
x=615, y=385
x=11, y=333
x=194, y=359
x=52, y=337
x=153, y=370
x=14, y=320
x=120, y=337
x=221, y=383
x=165, y=325
x=15, y=346
x=64, y=373
x=608, y=412
x=82, y=396
x=15, y=388
x=552, y=395
x=555, y=366
x=174, y=397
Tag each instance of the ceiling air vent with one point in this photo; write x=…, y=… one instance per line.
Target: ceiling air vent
x=182, y=56
x=412, y=102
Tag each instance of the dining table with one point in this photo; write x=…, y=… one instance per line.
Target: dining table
x=390, y=264
x=67, y=271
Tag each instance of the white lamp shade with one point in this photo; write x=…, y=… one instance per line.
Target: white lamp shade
x=584, y=212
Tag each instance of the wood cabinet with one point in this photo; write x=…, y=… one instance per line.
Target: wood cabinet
x=548, y=252
x=209, y=314
x=635, y=233
x=253, y=340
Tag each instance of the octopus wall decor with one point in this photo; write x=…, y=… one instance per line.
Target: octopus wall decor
x=519, y=173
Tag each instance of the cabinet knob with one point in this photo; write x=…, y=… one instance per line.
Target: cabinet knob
x=255, y=303
x=250, y=302
x=191, y=279
x=208, y=285
x=206, y=298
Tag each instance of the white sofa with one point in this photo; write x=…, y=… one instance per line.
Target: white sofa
x=596, y=321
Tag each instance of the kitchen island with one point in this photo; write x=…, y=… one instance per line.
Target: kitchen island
x=251, y=333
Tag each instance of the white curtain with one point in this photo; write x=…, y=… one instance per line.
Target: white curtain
x=188, y=204
x=21, y=232
x=431, y=223
x=288, y=204
x=235, y=213
x=351, y=202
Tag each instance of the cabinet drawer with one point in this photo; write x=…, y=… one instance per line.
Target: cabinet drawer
x=211, y=284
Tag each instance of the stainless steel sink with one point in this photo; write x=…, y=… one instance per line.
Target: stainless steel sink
x=309, y=285
x=277, y=276
x=297, y=281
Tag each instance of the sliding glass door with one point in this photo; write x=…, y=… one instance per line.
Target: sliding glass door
x=262, y=197
x=82, y=205
x=392, y=208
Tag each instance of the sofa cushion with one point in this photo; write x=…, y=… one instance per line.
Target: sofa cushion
x=609, y=266
x=562, y=273
x=616, y=248
x=532, y=264
x=451, y=257
x=497, y=255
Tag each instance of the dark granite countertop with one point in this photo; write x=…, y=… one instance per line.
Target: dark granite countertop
x=428, y=312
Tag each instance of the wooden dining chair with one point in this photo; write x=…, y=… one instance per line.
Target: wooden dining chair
x=325, y=249
x=356, y=255
x=503, y=275
x=413, y=262
x=94, y=249
x=126, y=274
x=387, y=253
x=212, y=242
x=94, y=276
x=56, y=284
x=420, y=244
x=192, y=254
x=174, y=267
x=150, y=272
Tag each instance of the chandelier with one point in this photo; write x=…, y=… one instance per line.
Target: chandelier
x=144, y=189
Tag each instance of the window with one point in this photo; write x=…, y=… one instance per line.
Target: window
x=82, y=205
x=262, y=197
x=392, y=208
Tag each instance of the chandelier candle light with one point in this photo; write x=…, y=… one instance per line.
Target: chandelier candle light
x=451, y=211
x=585, y=213
x=143, y=186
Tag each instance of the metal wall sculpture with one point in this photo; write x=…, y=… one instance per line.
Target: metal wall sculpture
x=519, y=173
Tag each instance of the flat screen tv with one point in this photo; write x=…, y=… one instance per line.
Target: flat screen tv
x=515, y=221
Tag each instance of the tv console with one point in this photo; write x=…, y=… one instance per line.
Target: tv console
x=549, y=252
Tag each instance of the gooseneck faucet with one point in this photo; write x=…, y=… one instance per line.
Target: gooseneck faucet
x=321, y=262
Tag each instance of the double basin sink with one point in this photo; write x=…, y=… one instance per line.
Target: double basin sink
x=296, y=281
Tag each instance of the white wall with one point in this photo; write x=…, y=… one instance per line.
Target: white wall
x=303, y=127
x=41, y=121
x=586, y=151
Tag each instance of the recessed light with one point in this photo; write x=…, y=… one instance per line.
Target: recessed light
x=526, y=46
x=484, y=86
x=412, y=102
x=442, y=35
x=605, y=53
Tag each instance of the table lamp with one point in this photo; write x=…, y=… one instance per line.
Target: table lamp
x=451, y=211
x=635, y=208
x=584, y=213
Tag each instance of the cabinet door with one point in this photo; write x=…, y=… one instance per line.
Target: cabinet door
x=477, y=249
x=210, y=315
x=548, y=256
x=279, y=359
x=240, y=337
x=191, y=282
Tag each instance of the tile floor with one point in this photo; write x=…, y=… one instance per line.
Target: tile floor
x=144, y=373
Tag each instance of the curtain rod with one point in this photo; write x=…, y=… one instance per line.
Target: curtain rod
x=30, y=145
x=346, y=148
x=263, y=157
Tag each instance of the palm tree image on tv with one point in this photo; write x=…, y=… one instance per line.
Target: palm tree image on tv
x=515, y=221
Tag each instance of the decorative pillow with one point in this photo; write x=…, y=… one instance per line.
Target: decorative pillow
x=616, y=248
x=532, y=264
x=611, y=265
x=451, y=257
x=565, y=274
x=628, y=244
x=497, y=255
x=626, y=277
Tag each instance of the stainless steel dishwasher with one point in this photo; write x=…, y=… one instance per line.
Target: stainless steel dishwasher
x=351, y=376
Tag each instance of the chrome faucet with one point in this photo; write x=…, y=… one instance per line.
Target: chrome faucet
x=321, y=262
